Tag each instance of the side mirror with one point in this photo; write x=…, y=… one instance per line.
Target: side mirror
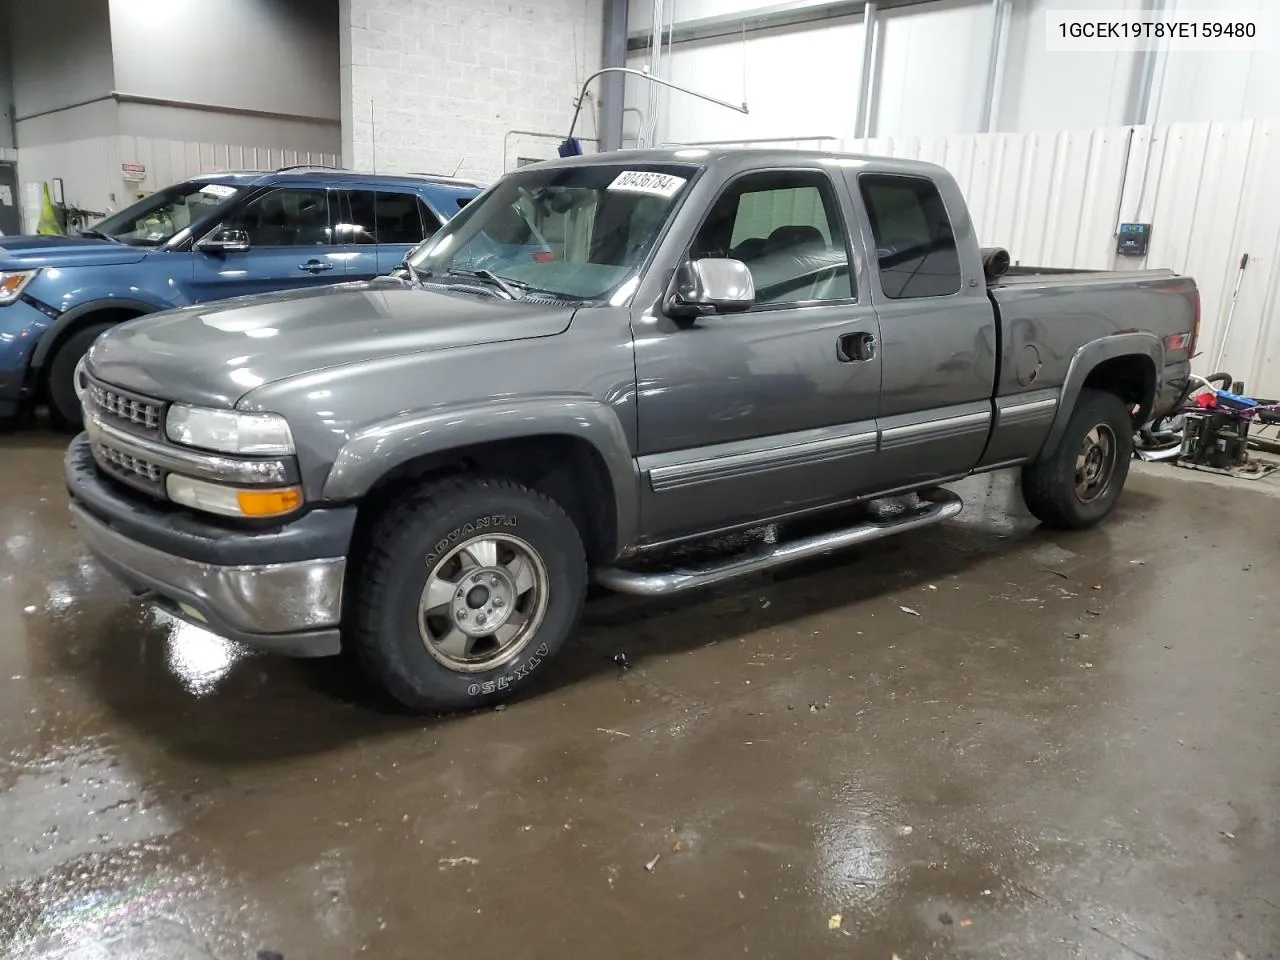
x=226, y=240
x=712, y=285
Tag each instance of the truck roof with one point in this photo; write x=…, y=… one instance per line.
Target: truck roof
x=750, y=158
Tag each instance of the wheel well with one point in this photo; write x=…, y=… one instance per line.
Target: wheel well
x=567, y=469
x=1132, y=378
x=110, y=315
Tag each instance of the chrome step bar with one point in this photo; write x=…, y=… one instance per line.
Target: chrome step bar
x=937, y=505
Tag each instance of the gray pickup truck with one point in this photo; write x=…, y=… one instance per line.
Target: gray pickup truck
x=598, y=360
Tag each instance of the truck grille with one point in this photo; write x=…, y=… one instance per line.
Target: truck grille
x=129, y=468
x=138, y=412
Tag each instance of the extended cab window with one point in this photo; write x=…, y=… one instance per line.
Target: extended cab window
x=915, y=247
x=386, y=217
x=786, y=227
x=292, y=217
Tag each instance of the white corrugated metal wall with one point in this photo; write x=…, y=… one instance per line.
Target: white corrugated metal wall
x=92, y=177
x=1208, y=189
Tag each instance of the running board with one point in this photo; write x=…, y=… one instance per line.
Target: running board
x=940, y=505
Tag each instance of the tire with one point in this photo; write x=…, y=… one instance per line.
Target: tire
x=1075, y=485
x=60, y=387
x=429, y=656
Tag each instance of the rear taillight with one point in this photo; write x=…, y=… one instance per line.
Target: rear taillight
x=1195, y=331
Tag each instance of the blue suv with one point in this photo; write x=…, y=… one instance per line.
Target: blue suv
x=207, y=238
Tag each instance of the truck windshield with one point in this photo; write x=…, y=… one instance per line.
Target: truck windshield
x=155, y=220
x=576, y=233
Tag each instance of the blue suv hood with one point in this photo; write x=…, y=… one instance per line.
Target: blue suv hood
x=29, y=252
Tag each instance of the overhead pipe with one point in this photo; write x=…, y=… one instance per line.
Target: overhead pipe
x=994, y=54
x=868, y=62
x=644, y=76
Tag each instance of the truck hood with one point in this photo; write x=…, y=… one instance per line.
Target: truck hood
x=30, y=252
x=214, y=354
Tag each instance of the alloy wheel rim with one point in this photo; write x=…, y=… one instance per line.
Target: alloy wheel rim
x=482, y=603
x=1095, y=463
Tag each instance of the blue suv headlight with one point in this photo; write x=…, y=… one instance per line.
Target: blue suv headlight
x=12, y=283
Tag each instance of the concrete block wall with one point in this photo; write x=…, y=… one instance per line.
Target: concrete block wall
x=434, y=85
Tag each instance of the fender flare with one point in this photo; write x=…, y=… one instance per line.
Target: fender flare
x=376, y=450
x=1087, y=359
x=71, y=317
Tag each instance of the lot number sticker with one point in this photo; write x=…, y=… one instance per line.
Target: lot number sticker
x=640, y=181
x=219, y=190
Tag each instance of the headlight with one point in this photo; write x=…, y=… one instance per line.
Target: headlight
x=232, y=501
x=229, y=431
x=12, y=283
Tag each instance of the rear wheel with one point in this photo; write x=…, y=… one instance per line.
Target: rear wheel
x=60, y=387
x=468, y=587
x=1079, y=482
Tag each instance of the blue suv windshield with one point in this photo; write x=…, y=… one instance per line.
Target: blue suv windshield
x=573, y=232
x=155, y=220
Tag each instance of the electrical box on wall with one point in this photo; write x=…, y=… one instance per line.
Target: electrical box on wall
x=1132, y=239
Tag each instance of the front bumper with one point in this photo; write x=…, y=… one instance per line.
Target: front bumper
x=21, y=327
x=278, y=589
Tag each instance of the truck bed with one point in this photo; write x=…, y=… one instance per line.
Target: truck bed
x=1023, y=276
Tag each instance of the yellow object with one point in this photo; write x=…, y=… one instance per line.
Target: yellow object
x=269, y=503
x=48, y=225
x=834, y=922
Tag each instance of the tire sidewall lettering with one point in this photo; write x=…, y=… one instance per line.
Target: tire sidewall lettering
x=468, y=530
x=517, y=674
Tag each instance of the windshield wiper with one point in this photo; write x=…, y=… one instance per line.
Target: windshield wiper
x=414, y=275
x=99, y=235
x=512, y=288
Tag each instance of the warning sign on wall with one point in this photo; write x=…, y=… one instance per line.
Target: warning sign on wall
x=134, y=172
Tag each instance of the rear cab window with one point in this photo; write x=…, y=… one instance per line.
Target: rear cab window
x=915, y=244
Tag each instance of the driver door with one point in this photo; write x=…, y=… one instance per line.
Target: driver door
x=291, y=245
x=753, y=415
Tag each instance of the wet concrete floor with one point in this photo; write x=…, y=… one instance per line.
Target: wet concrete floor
x=1071, y=751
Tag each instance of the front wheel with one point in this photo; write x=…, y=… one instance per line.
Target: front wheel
x=60, y=387
x=1078, y=483
x=468, y=587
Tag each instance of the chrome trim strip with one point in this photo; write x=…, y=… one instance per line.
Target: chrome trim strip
x=1023, y=412
x=191, y=463
x=273, y=598
x=732, y=466
x=940, y=429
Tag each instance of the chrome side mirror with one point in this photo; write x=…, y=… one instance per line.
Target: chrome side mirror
x=226, y=240
x=712, y=285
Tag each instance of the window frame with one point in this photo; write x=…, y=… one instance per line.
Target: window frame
x=228, y=219
x=841, y=212
x=349, y=216
x=873, y=258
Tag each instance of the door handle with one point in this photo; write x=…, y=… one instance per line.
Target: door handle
x=856, y=347
x=315, y=266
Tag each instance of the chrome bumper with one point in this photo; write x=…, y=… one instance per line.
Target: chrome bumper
x=291, y=608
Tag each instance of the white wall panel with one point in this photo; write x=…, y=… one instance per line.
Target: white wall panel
x=785, y=100
x=90, y=168
x=930, y=71
x=1208, y=189
x=931, y=68
x=273, y=55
